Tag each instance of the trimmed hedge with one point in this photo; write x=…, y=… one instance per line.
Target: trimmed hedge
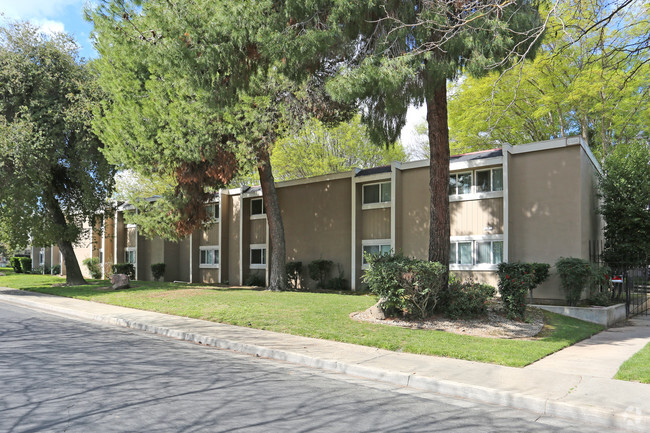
x=124, y=268
x=25, y=264
x=319, y=271
x=407, y=286
x=516, y=280
x=466, y=299
x=15, y=264
x=158, y=270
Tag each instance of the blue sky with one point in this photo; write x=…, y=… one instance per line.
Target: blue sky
x=54, y=16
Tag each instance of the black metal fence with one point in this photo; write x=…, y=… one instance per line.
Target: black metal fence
x=628, y=284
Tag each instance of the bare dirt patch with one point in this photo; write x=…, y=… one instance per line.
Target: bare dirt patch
x=494, y=325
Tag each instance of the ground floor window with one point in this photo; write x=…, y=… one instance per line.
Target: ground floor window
x=41, y=257
x=209, y=257
x=129, y=255
x=258, y=256
x=475, y=252
x=374, y=247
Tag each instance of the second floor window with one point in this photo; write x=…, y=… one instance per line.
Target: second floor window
x=257, y=207
x=376, y=193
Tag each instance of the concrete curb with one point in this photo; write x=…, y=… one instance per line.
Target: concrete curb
x=632, y=419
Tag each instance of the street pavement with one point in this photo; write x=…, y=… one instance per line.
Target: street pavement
x=550, y=387
x=61, y=375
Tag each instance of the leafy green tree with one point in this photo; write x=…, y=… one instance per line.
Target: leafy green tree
x=317, y=150
x=403, y=53
x=588, y=90
x=197, y=95
x=54, y=177
x=625, y=194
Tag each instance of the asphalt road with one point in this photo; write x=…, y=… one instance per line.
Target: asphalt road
x=63, y=375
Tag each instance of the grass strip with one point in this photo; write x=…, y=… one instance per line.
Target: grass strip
x=318, y=315
x=637, y=368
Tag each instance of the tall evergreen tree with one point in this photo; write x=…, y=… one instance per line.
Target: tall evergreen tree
x=54, y=177
x=400, y=53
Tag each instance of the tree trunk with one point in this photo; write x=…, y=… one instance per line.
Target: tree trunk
x=73, y=275
x=278, y=275
x=438, y=176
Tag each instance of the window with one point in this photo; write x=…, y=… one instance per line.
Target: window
x=41, y=257
x=460, y=253
x=460, y=183
x=376, y=193
x=257, y=207
x=489, y=180
x=374, y=247
x=258, y=256
x=209, y=257
x=489, y=252
x=129, y=255
x=101, y=255
x=212, y=211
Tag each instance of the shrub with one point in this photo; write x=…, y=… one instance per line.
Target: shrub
x=294, y=269
x=575, y=274
x=466, y=299
x=42, y=270
x=515, y=281
x=319, y=271
x=92, y=264
x=25, y=264
x=15, y=264
x=407, y=286
x=255, y=280
x=56, y=270
x=158, y=270
x=124, y=268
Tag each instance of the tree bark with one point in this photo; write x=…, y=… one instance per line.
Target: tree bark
x=73, y=275
x=278, y=275
x=438, y=176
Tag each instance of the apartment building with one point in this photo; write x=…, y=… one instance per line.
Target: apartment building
x=531, y=202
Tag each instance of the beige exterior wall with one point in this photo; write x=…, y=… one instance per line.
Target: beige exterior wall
x=234, y=219
x=592, y=222
x=545, y=200
x=413, y=221
x=317, y=223
x=257, y=234
x=375, y=223
x=83, y=250
x=209, y=276
x=472, y=217
x=486, y=277
x=211, y=235
x=131, y=234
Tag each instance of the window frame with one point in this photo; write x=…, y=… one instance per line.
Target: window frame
x=133, y=250
x=252, y=265
x=380, y=203
x=254, y=216
x=214, y=215
x=471, y=182
x=214, y=248
x=491, y=171
x=475, y=241
x=41, y=257
x=374, y=243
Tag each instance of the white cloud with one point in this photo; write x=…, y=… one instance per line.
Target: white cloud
x=49, y=27
x=27, y=9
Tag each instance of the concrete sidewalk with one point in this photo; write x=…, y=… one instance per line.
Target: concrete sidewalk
x=556, y=386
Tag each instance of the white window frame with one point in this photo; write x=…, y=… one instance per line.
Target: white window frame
x=101, y=256
x=380, y=203
x=214, y=215
x=471, y=183
x=218, y=255
x=475, y=240
x=372, y=243
x=250, y=256
x=257, y=215
x=135, y=255
x=491, y=171
x=131, y=226
x=41, y=257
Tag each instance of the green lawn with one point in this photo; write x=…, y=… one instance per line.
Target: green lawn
x=637, y=368
x=320, y=315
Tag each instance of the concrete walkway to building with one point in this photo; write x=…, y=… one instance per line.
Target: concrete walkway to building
x=566, y=384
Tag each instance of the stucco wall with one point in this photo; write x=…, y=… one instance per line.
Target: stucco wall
x=472, y=217
x=317, y=222
x=375, y=223
x=413, y=220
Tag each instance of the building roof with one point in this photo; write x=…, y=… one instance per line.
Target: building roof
x=482, y=154
x=374, y=170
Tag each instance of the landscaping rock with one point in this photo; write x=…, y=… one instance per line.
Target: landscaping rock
x=120, y=281
x=376, y=312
